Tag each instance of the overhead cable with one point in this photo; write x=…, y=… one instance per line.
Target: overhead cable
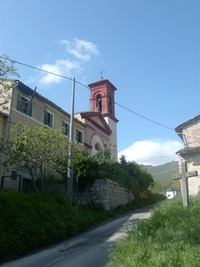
x=32, y=67
x=65, y=77
x=144, y=117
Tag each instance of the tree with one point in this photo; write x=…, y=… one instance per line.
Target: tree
x=130, y=175
x=103, y=156
x=39, y=151
x=145, y=179
x=135, y=177
x=5, y=84
x=88, y=168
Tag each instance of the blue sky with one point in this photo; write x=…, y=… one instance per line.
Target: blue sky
x=149, y=49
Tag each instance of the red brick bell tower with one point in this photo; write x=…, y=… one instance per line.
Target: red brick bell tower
x=102, y=99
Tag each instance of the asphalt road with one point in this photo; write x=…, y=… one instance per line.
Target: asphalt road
x=89, y=249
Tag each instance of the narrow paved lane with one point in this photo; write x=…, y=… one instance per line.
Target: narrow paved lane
x=90, y=249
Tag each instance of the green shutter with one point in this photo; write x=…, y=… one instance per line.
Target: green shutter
x=50, y=120
x=30, y=108
x=63, y=126
x=81, y=137
x=19, y=102
x=45, y=117
x=68, y=127
x=77, y=135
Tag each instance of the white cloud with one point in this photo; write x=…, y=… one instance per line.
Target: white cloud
x=78, y=53
x=61, y=67
x=47, y=77
x=152, y=152
x=82, y=50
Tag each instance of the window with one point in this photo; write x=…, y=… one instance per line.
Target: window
x=97, y=146
x=13, y=175
x=24, y=105
x=99, y=103
x=79, y=136
x=65, y=125
x=48, y=118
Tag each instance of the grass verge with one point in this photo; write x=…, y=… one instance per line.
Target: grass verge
x=32, y=221
x=170, y=238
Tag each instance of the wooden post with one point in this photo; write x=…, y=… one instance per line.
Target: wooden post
x=185, y=185
x=184, y=176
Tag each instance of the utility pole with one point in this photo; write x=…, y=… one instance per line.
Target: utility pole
x=71, y=139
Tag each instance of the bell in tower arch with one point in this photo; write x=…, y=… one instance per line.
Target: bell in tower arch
x=99, y=103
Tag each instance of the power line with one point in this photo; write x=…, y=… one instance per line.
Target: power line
x=83, y=85
x=144, y=117
x=32, y=67
x=65, y=77
x=165, y=171
x=158, y=157
x=46, y=71
x=140, y=135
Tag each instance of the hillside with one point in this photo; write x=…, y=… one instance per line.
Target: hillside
x=163, y=173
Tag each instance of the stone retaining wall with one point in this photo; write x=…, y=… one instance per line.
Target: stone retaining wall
x=106, y=192
x=103, y=191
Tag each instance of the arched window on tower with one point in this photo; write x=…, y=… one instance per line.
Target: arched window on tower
x=110, y=104
x=99, y=103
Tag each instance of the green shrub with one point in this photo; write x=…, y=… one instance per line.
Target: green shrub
x=31, y=221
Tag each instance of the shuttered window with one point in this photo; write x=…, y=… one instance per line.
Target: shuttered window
x=79, y=136
x=24, y=105
x=48, y=118
x=65, y=125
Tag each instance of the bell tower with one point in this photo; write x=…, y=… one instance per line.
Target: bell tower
x=102, y=100
x=102, y=95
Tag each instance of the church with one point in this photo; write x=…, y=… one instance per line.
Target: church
x=100, y=121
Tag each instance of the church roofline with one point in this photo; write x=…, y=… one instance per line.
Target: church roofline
x=102, y=82
x=110, y=116
x=88, y=114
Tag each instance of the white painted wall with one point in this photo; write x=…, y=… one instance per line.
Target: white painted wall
x=113, y=137
x=96, y=139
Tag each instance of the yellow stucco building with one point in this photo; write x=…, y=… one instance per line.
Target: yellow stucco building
x=93, y=130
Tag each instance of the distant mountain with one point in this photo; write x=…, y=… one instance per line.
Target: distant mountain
x=163, y=173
